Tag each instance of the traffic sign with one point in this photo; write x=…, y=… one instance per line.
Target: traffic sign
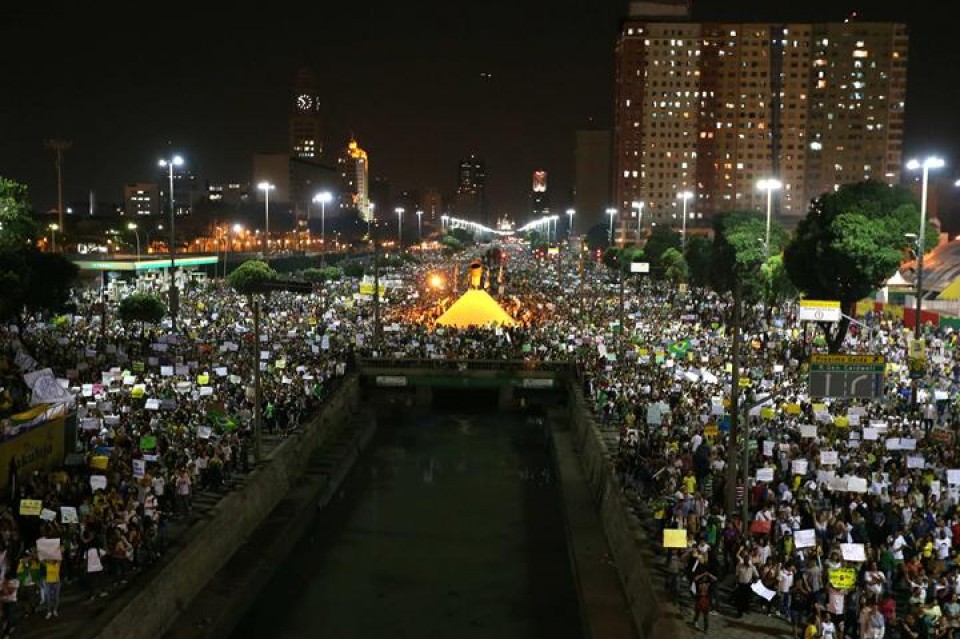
x=639, y=267
x=847, y=376
x=819, y=311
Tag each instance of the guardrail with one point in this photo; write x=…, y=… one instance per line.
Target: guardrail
x=368, y=363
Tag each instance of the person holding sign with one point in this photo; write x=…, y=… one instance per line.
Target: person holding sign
x=702, y=582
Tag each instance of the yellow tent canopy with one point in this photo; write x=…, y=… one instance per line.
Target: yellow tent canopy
x=475, y=308
x=952, y=292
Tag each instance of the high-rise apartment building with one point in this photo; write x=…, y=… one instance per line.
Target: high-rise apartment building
x=471, y=199
x=713, y=108
x=141, y=198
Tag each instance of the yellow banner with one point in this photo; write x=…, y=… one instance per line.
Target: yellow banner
x=846, y=359
x=40, y=448
x=843, y=578
x=820, y=303
x=31, y=507
x=674, y=538
x=767, y=413
x=792, y=409
x=841, y=422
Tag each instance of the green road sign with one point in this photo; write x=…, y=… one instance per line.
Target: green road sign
x=847, y=376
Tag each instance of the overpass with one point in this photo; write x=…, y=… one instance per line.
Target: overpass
x=421, y=377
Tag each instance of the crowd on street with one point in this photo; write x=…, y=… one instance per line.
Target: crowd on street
x=852, y=525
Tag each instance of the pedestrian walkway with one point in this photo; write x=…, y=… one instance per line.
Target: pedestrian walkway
x=80, y=617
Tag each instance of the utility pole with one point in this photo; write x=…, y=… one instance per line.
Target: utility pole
x=59, y=146
x=731, y=487
x=258, y=391
x=376, y=291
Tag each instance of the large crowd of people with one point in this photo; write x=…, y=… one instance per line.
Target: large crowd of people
x=852, y=527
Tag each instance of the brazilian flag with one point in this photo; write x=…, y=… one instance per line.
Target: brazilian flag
x=679, y=348
x=220, y=421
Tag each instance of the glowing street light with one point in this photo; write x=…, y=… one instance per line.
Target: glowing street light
x=266, y=187
x=611, y=212
x=927, y=164
x=53, y=232
x=419, y=225
x=769, y=185
x=176, y=160
x=323, y=197
x=685, y=196
x=132, y=226
x=570, y=214
x=400, y=211
x=639, y=207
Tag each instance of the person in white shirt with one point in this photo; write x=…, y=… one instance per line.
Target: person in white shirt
x=942, y=544
x=896, y=547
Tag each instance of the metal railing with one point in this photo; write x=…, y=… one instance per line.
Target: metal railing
x=367, y=363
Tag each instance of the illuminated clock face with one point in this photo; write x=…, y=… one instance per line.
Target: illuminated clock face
x=304, y=102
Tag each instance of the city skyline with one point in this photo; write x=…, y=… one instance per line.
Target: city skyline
x=419, y=90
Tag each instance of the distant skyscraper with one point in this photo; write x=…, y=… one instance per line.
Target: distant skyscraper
x=184, y=189
x=591, y=191
x=432, y=205
x=355, y=181
x=538, y=195
x=471, y=199
x=142, y=198
x=712, y=108
x=305, y=131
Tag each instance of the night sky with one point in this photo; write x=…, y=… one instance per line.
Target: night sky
x=406, y=78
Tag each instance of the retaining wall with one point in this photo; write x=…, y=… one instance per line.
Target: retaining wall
x=160, y=601
x=653, y=617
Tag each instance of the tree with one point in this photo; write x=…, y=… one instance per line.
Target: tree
x=57, y=273
x=850, y=243
x=17, y=226
x=699, y=258
x=28, y=278
x=252, y=277
x=598, y=237
x=145, y=308
x=661, y=238
x=675, y=267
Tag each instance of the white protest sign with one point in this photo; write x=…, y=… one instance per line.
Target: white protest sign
x=68, y=515
x=98, y=482
x=800, y=466
x=765, y=474
x=828, y=457
x=805, y=538
x=853, y=552
x=49, y=549
x=139, y=468
x=808, y=430
x=916, y=461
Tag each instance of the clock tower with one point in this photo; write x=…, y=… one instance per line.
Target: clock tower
x=305, y=142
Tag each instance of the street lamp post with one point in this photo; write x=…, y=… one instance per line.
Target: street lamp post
x=611, y=212
x=132, y=226
x=685, y=196
x=769, y=185
x=570, y=214
x=639, y=206
x=322, y=198
x=419, y=225
x=53, y=233
x=927, y=164
x=399, y=211
x=176, y=160
x=266, y=187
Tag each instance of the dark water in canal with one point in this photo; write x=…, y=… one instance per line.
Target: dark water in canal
x=449, y=527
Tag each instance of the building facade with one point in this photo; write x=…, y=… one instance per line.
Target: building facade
x=471, y=198
x=354, y=168
x=304, y=121
x=713, y=108
x=141, y=198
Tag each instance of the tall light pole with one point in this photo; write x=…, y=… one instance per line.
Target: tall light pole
x=685, y=196
x=769, y=185
x=176, y=160
x=399, y=211
x=419, y=225
x=611, y=212
x=639, y=206
x=570, y=214
x=266, y=187
x=444, y=220
x=323, y=197
x=931, y=162
x=132, y=226
x=59, y=146
x=53, y=232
